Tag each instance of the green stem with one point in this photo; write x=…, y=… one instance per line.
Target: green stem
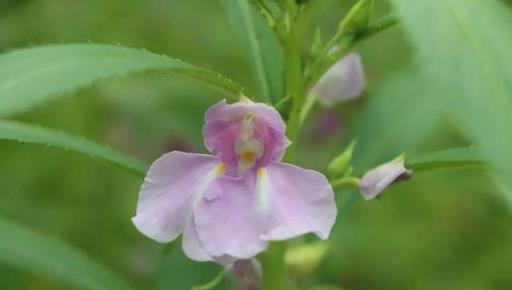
x=273, y=263
x=294, y=88
x=346, y=182
x=382, y=24
x=214, y=282
x=274, y=267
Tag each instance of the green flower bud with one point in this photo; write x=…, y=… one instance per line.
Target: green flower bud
x=341, y=164
x=304, y=259
x=316, y=46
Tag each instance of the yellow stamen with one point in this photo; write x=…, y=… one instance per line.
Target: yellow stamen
x=221, y=169
x=248, y=157
x=261, y=172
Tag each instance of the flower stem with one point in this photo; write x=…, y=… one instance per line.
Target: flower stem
x=294, y=88
x=346, y=182
x=275, y=276
x=274, y=267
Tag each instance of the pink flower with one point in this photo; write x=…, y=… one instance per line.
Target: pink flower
x=379, y=178
x=230, y=205
x=343, y=81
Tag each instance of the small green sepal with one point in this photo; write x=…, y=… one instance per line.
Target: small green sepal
x=342, y=163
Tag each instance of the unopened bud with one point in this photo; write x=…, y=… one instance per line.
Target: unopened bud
x=247, y=274
x=339, y=165
x=378, y=179
x=304, y=259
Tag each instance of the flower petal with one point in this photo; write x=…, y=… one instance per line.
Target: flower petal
x=379, y=178
x=344, y=81
x=168, y=192
x=296, y=201
x=222, y=127
x=230, y=223
x=191, y=245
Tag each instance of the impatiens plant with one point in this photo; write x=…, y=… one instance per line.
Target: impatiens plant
x=240, y=206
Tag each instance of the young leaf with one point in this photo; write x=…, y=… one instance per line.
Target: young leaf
x=454, y=157
x=463, y=47
x=30, y=251
x=263, y=47
x=32, y=76
x=10, y=130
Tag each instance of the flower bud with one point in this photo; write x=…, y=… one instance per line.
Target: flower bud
x=378, y=179
x=342, y=163
x=343, y=81
x=304, y=259
x=247, y=274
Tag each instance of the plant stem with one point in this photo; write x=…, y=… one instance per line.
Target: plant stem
x=346, y=181
x=294, y=88
x=274, y=267
x=273, y=264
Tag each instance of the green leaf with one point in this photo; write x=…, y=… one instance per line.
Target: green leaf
x=31, y=251
x=29, y=77
x=464, y=49
x=401, y=115
x=10, y=130
x=263, y=46
x=450, y=158
x=358, y=17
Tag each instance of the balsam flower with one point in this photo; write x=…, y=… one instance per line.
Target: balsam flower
x=230, y=205
x=343, y=81
x=379, y=178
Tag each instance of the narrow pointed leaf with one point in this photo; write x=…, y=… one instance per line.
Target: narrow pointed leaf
x=450, y=158
x=463, y=47
x=16, y=131
x=33, y=252
x=29, y=77
x=262, y=45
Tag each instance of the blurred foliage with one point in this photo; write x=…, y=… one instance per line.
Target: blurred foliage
x=441, y=230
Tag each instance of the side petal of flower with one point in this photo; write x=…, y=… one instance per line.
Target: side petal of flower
x=191, y=245
x=230, y=224
x=168, y=191
x=296, y=201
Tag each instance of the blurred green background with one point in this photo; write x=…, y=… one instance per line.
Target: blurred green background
x=442, y=230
